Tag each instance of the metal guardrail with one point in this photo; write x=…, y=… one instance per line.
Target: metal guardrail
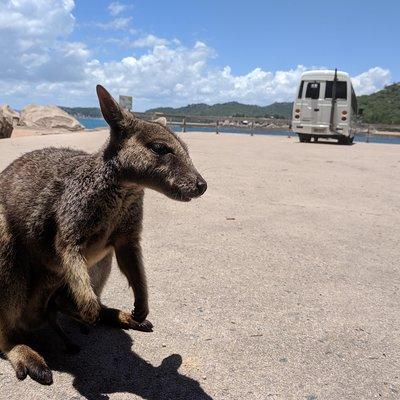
x=186, y=121
x=217, y=122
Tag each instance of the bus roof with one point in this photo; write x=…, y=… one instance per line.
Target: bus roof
x=324, y=74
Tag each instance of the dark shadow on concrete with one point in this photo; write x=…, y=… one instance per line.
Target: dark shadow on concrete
x=331, y=142
x=106, y=364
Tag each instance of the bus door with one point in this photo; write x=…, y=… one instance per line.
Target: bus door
x=340, y=103
x=311, y=110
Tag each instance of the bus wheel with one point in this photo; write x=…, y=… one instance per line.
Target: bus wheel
x=304, y=138
x=345, y=140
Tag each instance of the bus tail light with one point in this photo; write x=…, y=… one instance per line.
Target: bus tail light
x=344, y=112
x=344, y=118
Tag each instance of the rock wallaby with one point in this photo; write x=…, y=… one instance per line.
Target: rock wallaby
x=63, y=213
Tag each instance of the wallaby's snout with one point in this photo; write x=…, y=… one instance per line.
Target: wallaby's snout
x=201, y=185
x=149, y=154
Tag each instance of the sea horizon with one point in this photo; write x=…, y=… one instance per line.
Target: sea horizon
x=94, y=123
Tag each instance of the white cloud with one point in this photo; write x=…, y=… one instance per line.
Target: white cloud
x=371, y=80
x=116, y=23
x=39, y=64
x=32, y=44
x=32, y=22
x=116, y=8
x=149, y=41
x=173, y=74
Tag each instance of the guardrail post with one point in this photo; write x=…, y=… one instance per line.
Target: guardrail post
x=184, y=125
x=217, y=127
x=252, y=128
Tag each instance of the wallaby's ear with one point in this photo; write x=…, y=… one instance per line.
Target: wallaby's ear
x=110, y=109
x=161, y=120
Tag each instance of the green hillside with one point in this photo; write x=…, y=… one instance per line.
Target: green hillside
x=83, y=112
x=231, y=109
x=382, y=107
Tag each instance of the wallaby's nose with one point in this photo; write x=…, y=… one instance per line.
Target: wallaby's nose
x=201, y=186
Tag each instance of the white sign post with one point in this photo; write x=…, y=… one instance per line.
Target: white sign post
x=126, y=102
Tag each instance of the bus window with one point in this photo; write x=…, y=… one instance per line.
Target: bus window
x=312, y=91
x=354, y=101
x=301, y=90
x=341, y=90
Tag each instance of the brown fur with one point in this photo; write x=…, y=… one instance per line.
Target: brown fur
x=62, y=215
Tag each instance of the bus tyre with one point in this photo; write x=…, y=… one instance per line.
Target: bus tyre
x=304, y=138
x=346, y=140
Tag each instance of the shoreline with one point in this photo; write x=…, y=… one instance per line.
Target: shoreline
x=21, y=131
x=26, y=132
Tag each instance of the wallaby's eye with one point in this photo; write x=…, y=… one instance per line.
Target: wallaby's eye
x=160, y=149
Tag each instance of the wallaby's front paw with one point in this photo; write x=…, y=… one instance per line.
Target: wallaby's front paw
x=144, y=326
x=90, y=312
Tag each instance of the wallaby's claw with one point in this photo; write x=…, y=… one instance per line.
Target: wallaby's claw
x=39, y=372
x=145, y=326
x=21, y=372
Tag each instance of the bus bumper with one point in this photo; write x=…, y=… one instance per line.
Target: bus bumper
x=320, y=130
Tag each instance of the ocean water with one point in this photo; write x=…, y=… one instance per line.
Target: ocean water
x=92, y=123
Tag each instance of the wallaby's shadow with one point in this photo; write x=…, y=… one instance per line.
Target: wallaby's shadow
x=107, y=364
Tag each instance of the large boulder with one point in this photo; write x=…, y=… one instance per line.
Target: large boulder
x=12, y=115
x=6, y=128
x=34, y=116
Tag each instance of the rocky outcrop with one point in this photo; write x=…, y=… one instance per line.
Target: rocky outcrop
x=35, y=116
x=12, y=115
x=6, y=128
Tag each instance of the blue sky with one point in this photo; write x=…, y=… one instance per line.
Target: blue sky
x=180, y=52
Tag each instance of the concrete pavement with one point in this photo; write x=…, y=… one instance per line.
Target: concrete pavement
x=282, y=282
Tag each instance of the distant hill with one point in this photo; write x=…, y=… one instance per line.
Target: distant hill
x=382, y=107
x=231, y=109
x=83, y=112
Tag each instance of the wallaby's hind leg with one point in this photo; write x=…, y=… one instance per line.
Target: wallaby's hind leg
x=122, y=319
x=25, y=361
